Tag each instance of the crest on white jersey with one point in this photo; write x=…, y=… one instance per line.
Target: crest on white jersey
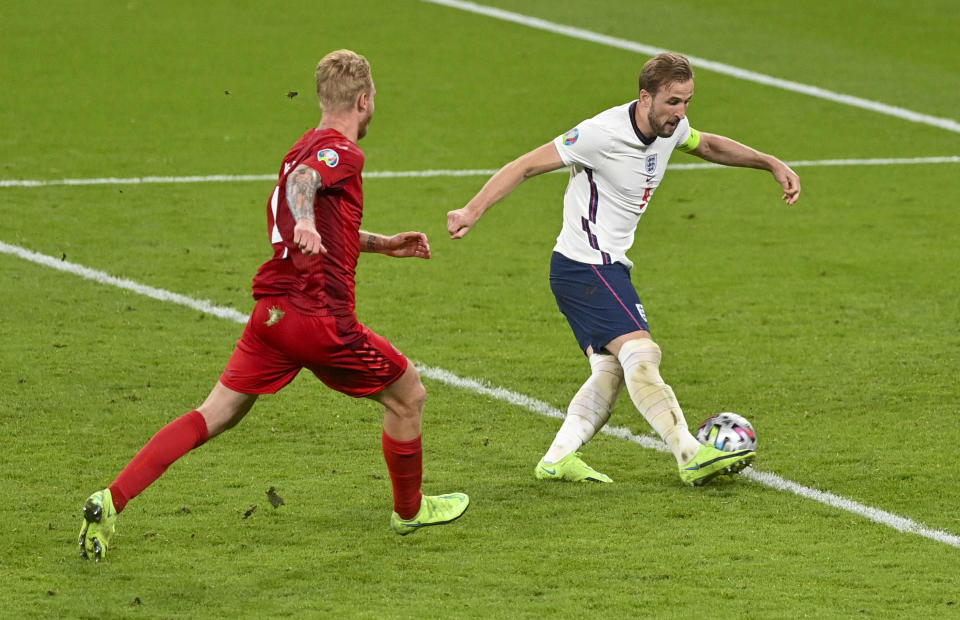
x=570, y=138
x=650, y=165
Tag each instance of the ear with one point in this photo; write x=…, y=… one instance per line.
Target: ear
x=363, y=101
x=645, y=97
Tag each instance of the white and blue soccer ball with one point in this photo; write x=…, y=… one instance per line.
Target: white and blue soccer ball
x=727, y=431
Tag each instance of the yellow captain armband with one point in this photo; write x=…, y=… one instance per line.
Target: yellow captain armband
x=692, y=141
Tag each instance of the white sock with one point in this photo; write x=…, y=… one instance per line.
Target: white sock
x=590, y=408
x=655, y=399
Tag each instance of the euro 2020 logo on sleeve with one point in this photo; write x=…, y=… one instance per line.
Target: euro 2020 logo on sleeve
x=651, y=163
x=329, y=157
x=570, y=138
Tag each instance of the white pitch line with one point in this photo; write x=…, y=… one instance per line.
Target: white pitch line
x=420, y=174
x=226, y=178
x=587, y=35
x=105, y=278
x=771, y=480
x=529, y=403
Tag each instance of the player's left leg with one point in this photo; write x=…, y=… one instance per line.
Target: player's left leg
x=351, y=358
x=403, y=451
x=640, y=357
x=587, y=413
x=402, y=444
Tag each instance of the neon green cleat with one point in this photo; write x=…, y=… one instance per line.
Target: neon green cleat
x=569, y=468
x=99, y=521
x=434, y=510
x=710, y=462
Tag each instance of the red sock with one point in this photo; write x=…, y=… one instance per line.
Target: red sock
x=405, y=463
x=169, y=444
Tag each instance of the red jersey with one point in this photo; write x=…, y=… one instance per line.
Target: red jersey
x=322, y=284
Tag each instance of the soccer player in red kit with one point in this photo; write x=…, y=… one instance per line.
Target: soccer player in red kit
x=305, y=317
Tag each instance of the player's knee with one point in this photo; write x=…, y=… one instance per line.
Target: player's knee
x=640, y=360
x=606, y=374
x=409, y=395
x=224, y=408
x=418, y=396
x=603, y=363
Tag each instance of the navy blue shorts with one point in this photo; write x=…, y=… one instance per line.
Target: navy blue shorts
x=599, y=301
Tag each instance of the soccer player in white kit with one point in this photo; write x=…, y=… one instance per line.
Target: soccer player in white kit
x=617, y=159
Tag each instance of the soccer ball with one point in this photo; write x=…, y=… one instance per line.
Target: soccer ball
x=727, y=431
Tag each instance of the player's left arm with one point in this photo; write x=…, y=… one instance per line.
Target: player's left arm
x=400, y=245
x=723, y=150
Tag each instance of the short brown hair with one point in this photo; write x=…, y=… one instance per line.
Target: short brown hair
x=663, y=69
x=341, y=77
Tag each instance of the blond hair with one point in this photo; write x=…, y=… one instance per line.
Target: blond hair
x=341, y=77
x=663, y=69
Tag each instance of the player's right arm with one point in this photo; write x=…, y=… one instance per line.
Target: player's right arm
x=538, y=161
x=303, y=183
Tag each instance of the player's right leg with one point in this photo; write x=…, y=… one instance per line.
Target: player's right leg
x=254, y=368
x=587, y=413
x=223, y=409
x=99, y=523
x=166, y=446
x=591, y=299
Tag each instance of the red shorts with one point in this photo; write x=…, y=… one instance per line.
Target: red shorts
x=342, y=352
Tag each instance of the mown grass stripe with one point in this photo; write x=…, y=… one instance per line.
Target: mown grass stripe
x=947, y=124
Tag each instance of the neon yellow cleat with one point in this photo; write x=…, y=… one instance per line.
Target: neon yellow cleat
x=434, y=510
x=710, y=462
x=571, y=469
x=99, y=522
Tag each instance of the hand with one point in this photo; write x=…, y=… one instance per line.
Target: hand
x=306, y=237
x=459, y=223
x=406, y=244
x=790, y=182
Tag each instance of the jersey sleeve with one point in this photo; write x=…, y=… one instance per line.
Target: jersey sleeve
x=688, y=138
x=583, y=145
x=336, y=163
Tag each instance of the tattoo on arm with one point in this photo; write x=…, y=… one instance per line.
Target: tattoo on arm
x=371, y=243
x=302, y=186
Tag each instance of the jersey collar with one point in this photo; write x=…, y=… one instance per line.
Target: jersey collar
x=633, y=121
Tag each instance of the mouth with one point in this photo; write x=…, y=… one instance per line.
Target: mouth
x=668, y=128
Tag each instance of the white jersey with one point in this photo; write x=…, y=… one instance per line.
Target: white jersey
x=614, y=171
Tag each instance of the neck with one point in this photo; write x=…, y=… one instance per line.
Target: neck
x=349, y=127
x=640, y=118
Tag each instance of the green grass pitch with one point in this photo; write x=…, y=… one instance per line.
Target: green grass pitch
x=832, y=325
